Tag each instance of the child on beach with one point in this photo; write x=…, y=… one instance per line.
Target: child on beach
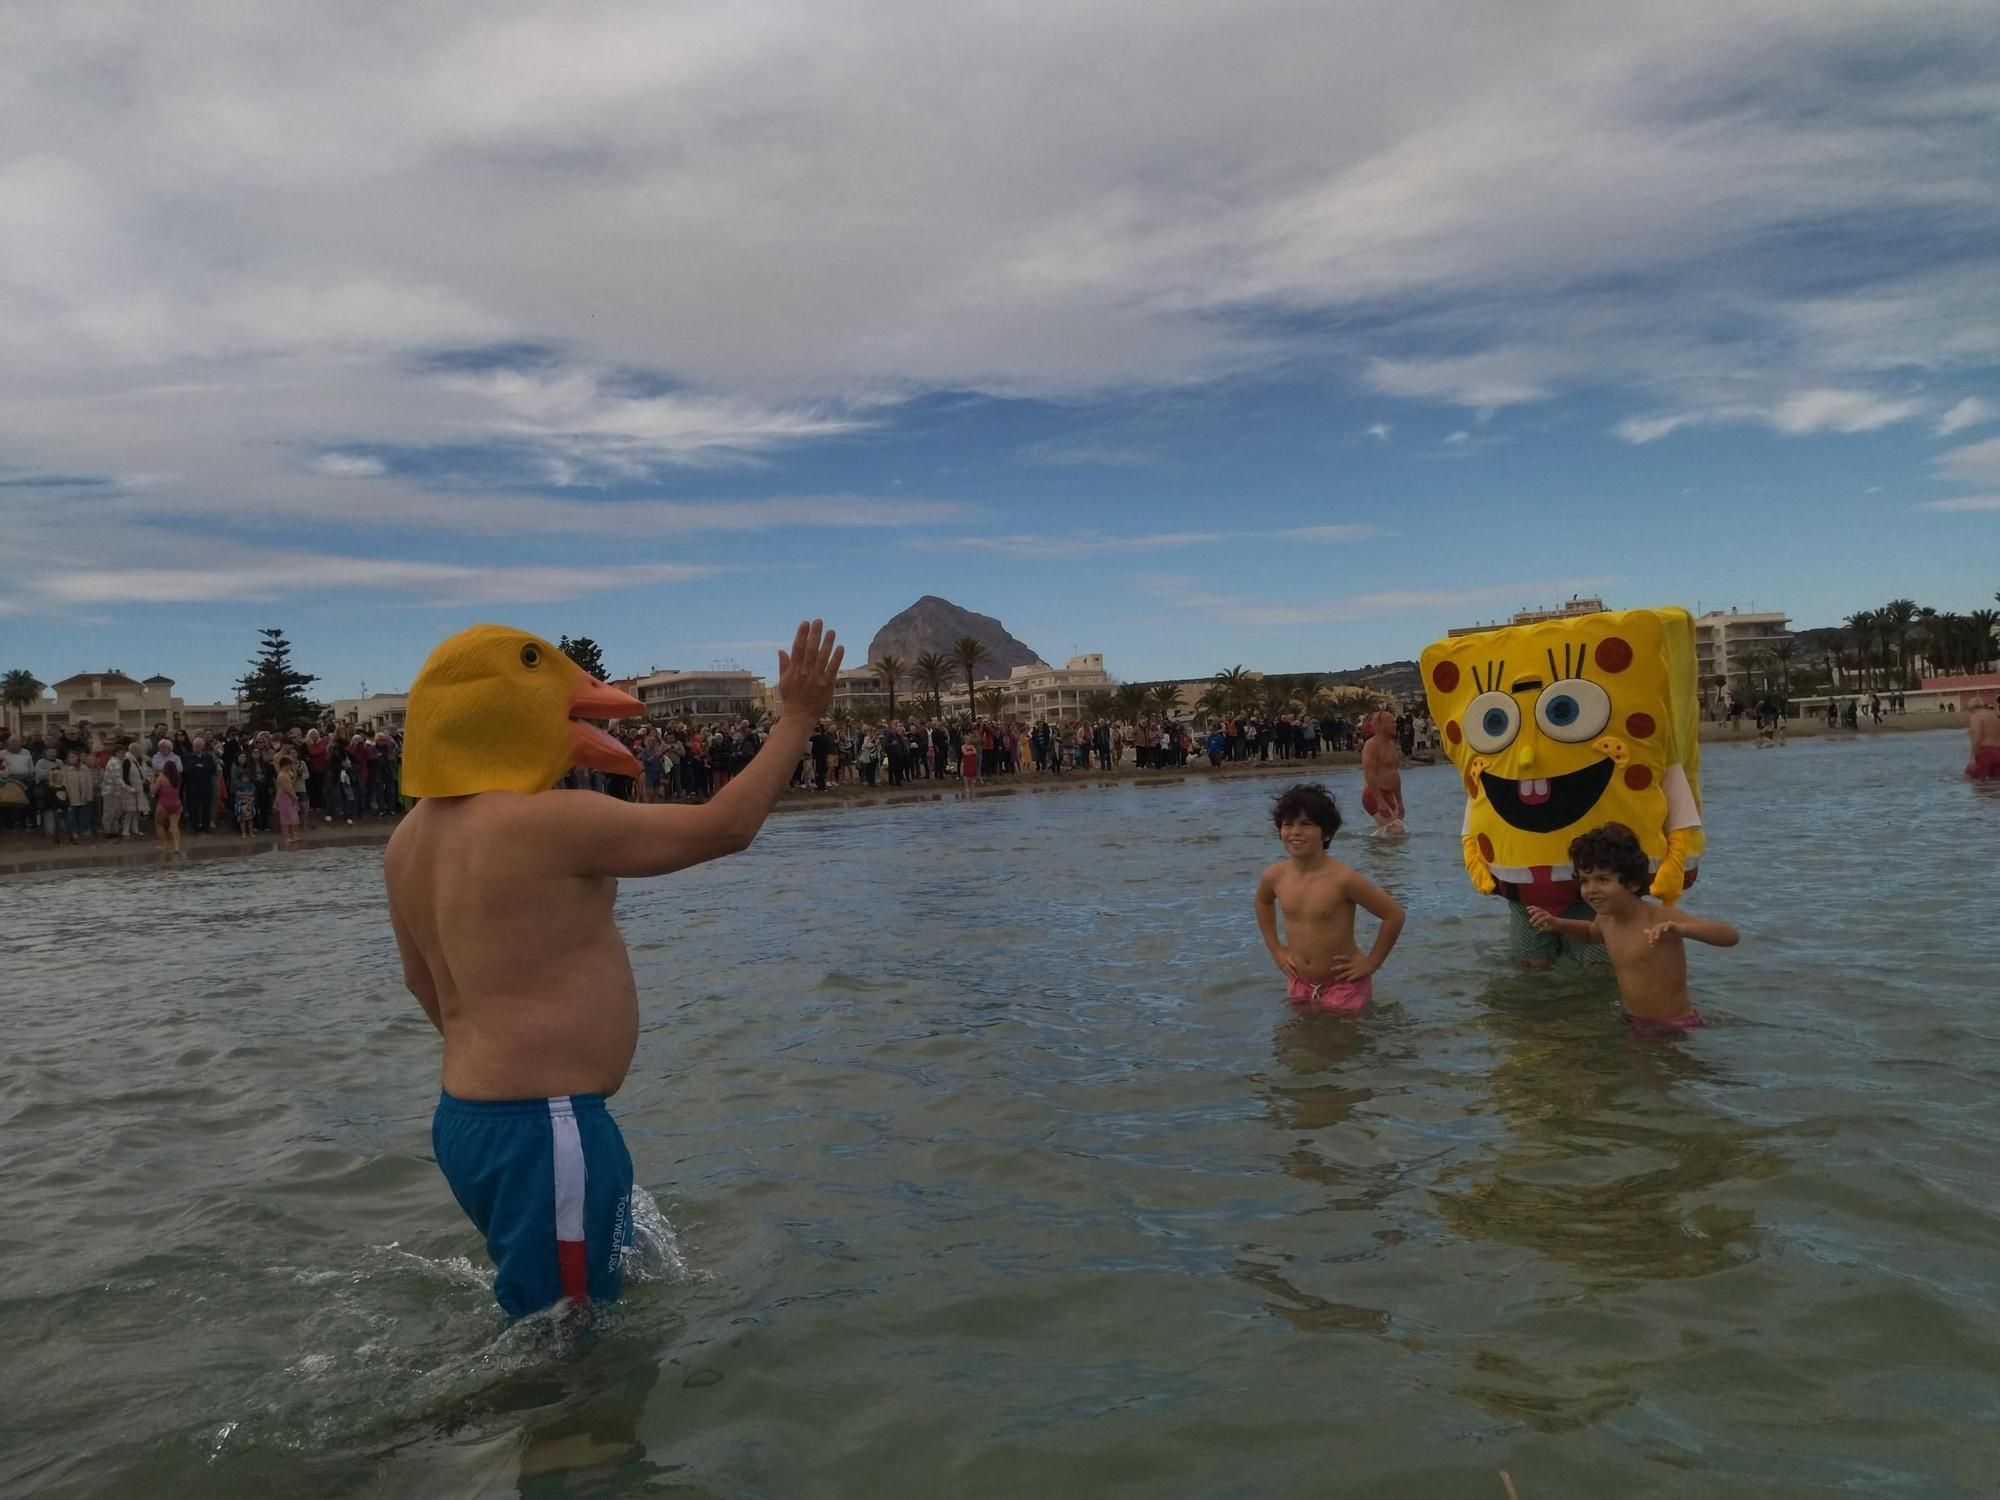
x=1646, y=940
x=286, y=804
x=243, y=796
x=1319, y=958
x=968, y=762
x=167, y=803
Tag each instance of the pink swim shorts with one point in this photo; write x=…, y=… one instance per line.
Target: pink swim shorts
x=1344, y=997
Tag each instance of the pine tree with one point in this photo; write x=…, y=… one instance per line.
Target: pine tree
x=272, y=689
x=585, y=653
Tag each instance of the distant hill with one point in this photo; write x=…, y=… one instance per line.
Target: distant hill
x=1399, y=679
x=934, y=624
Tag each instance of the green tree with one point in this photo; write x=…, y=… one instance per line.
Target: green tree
x=968, y=655
x=993, y=701
x=1861, y=626
x=1238, y=687
x=1896, y=617
x=18, y=689
x=1980, y=624
x=1164, y=699
x=1098, y=705
x=273, y=690
x=586, y=654
x=893, y=669
x=933, y=671
x=1129, y=702
x=1783, y=653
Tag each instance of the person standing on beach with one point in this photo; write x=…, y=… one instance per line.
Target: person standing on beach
x=1983, y=729
x=500, y=898
x=1382, y=776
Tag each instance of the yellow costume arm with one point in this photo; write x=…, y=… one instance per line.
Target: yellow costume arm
x=1672, y=877
x=1475, y=867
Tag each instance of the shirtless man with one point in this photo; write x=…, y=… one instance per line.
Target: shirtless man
x=501, y=904
x=1647, y=942
x=1983, y=727
x=1323, y=966
x=1382, y=776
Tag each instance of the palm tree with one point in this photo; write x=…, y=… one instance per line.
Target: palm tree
x=1237, y=685
x=993, y=701
x=1212, y=705
x=1782, y=653
x=969, y=654
x=933, y=670
x=1099, y=705
x=893, y=670
x=1896, y=617
x=1165, y=700
x=1982, y=622
x=1861, y=625
x=18, y=689
x=1130, y=702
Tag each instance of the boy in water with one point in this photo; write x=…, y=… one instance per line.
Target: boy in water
x=502, y=906
x=1319, y=958
x=1382, y=775
x=1646, y=941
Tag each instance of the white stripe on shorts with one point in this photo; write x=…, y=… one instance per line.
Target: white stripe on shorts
x=568, y=1169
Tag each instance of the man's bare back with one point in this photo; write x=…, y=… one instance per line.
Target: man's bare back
x=1984, y=727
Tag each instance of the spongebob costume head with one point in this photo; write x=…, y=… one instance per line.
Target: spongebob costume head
x=1561, y=726
x=501, y=710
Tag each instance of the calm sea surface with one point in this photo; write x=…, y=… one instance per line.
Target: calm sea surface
x=992, y=1164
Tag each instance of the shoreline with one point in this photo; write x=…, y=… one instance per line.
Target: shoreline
x=27, y=854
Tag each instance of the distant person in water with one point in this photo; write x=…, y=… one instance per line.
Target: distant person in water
x=1646, y=941
x=501, y=894
x=1382, y=775
x=1324, y=967
x=1984, y=730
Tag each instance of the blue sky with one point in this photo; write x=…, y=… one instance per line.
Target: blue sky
x=1196, y=335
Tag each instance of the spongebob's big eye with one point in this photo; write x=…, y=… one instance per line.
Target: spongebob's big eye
x=1491, y=722
x=531, y=655
x=1573, y=710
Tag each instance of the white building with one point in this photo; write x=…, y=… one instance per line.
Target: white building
x=376, y=711
x=1579, y=604
x=1040, y=691
x=718, y=695
x=110, y=701
x=1726, y=640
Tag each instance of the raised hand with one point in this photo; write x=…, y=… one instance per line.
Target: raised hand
x=807, y=673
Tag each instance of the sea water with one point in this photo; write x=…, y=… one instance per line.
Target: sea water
x=989, y=1161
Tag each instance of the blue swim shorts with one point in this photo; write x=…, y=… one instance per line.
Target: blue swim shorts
x=549, y=1183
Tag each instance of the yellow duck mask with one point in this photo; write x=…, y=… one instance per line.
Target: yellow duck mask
x=1561, y=726
x=501, y=710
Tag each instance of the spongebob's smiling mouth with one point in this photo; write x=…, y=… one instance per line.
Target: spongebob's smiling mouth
x=1543, y=806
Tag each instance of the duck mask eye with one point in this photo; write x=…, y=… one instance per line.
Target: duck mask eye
x=531, y=655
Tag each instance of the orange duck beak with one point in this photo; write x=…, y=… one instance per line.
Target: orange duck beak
x=591, y=746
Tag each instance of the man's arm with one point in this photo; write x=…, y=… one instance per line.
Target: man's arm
x=586, y=834
x=1267, y=923
x=1695, y=929
x=416, y=973
x=1386, y=910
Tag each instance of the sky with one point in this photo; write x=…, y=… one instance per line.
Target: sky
x=1278, y=333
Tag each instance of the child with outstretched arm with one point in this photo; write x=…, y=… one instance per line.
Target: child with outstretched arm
x=1324, y=966
x=1646, y=941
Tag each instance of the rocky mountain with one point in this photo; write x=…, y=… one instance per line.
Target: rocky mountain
x=934, y=624
x=1399, y=679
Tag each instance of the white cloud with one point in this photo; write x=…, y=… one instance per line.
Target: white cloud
x=1964, y=503
x=1455, y=438
x=1338, y=532
x=1649, y=429
x=1971, y=412
x=1483, y=381
x=350, y=466
x=1376, y=604
x=277, y=576
x=1380, y=432
x=1081, y=545
x=1840, y=411
x=1975, y=462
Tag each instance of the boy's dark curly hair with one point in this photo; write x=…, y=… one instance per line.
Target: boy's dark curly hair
x=1311, y=801
x=1615, y=848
